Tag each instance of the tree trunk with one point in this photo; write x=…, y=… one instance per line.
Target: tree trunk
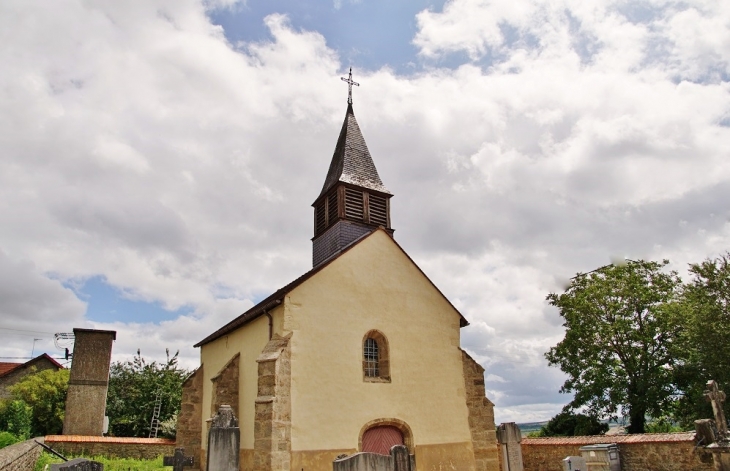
x=637, y=416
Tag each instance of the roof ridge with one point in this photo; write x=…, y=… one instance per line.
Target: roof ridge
x=275, y=298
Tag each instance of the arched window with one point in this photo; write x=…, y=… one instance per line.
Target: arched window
x=375, y=360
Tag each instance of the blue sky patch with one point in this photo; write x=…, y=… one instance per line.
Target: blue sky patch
x=107, y=303
x=367, y=35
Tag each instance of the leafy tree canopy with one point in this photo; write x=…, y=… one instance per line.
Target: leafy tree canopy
x=45, y=393
x=569, y=424
x=704, y=346
x=133, y=388
x=618, y=345
x=15, y=418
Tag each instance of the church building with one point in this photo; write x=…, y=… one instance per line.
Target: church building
x=360, y=353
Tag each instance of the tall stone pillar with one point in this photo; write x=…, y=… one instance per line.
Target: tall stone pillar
x=88, y=382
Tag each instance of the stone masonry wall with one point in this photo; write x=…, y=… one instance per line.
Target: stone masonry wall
x=116, y=447
x=481, y=417
x=190, y=418
x=20, y=456
x=225, y=386
x=646, y=452
x=272, y=423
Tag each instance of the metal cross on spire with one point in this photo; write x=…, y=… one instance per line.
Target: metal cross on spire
x=350, y=83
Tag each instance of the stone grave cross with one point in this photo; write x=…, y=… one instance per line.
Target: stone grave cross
x=717, y=398
x=178, y=461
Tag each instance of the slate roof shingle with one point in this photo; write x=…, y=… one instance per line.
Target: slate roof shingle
x=351, y=161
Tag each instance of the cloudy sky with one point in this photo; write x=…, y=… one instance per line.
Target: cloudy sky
x=158, y=158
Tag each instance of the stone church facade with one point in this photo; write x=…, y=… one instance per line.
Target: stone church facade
x=358, y=354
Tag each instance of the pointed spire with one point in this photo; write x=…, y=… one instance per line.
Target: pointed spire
x=353, y=201
x=351, y=161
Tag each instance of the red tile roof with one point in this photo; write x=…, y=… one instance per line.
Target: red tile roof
x=89, y=439
x=5, y=367
x=596, y=439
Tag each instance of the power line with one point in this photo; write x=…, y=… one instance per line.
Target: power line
x=28, y=358
x=26, y=330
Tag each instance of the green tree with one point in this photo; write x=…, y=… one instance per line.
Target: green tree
x=16, y=418
x=133, y=388
x=618, y=345
x=45, y=393
x=705, y=339
x=569, y=424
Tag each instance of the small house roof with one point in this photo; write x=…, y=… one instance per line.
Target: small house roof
x=6, y=368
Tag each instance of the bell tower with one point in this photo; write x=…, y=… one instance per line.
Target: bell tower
x=353, y=201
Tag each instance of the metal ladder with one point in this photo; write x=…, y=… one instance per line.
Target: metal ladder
x=155, y=424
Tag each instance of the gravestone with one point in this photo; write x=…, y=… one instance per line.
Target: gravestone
x=178, y=461
x=509, y=437
x=78, y=464
x=224, y=441
x=397, y=460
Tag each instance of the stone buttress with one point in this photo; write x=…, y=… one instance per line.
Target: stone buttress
x=272, y=425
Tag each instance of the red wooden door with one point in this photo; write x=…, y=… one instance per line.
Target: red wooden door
x=381, y=439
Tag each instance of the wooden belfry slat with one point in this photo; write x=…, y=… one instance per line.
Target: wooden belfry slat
x=353, y=204
x=378, y=211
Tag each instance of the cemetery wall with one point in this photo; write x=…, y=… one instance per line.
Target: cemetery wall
x=20, y=457
x=644, y=452
x=116, y=447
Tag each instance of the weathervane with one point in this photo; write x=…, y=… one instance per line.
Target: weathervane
x=350, y=83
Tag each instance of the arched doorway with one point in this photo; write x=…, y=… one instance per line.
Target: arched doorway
x=380, y=439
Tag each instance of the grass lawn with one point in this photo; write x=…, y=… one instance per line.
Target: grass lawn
x=110, y=464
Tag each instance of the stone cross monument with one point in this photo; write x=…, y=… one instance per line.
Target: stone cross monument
x=717, y=398
x=509, y=437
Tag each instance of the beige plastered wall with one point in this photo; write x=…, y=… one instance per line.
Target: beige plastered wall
x=375, y=286
x=248, y=341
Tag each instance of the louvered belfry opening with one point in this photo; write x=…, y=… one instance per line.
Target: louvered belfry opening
x=358, y=205
x=354, y=204
x=353, y=200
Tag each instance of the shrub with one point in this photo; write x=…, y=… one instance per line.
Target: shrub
x=7, y=439
x=15, y=418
